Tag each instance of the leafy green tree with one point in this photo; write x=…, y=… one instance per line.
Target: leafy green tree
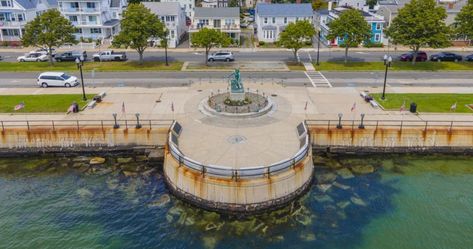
x=233, y=3
x=464, y=21
x=138, y=25
x=296, y=35
x=49, y=30
x=209, y=38
x=420, y=23
x=317, y=4
x=352, y=27
x=371, y=3
x=134, y=1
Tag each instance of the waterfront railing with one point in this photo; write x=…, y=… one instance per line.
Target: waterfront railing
x=393, y=124
x=244, y=172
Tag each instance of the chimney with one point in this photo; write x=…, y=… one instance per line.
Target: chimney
x=330, y=6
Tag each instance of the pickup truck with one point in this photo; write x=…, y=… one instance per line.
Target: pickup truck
x=110, y=56
x=71, y=56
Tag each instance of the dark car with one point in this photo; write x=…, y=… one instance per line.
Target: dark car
x=70, y=56
x=469, y=57
x=445, y=56
x=421, y=56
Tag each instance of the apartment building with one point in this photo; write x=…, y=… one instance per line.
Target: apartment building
x=14, y=14
x=226, y=20
x=173, y=17
x=94, y=19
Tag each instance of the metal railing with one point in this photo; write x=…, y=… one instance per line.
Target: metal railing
x=236, y=173
x=84, y=124
x=400, y=124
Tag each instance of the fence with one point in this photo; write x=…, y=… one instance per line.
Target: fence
x=248, y=172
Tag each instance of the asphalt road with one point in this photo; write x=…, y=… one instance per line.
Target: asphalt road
x=293, y=78
x=248, y=56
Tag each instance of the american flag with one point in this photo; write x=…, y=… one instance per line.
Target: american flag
x=403, y=106
x=353, y=107
x=123, y=107
x=19, y=106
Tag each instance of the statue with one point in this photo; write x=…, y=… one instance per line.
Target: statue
x=236, y=86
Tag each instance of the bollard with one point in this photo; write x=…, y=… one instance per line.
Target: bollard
x=339, y=125
x=138, y=125
x=116, y=125
x=362, y=126
x=52, y=121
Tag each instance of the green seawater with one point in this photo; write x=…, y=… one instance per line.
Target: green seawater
x=389, y=201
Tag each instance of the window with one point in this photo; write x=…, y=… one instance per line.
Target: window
x=285, y=19
x=265, y=20
x=377, y=37
x=172, y=33
x=90, y=5
x=297, y=19
x=378, y=26
x=11, y=32
x=20, y=18
x=6, y=3
x=73, y=18
x=79, y=30
x=229, y=22
x=75, y=5
x=95, y=31
x=92, y=19
x=274, y=19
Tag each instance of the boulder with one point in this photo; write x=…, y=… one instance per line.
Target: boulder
x=362, y=169
x=129, y=173
x=97, y=160
x=324, y=187
x=124, y=159
x=341, y=186
x=343, y=204
x=307, y=236
x=345, y=173
x=323, y=198
x=358, y=201
x=163, y=200
x=325, y=177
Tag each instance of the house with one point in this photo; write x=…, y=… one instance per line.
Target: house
x=226, y=20
x=376, y=23
x=272, y=19
x=390, y=8
x=94, y=19
x=174, y=18
x=187, y=5
x=214, y=3
x=14, y=14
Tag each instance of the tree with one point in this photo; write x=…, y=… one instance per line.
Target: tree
x=371, y=3
x=49, y=30
x=209, y=38
x=138, y=25
x=464, y=21
x=317, y=4
x=352, y=27
x=420, y=23
x=296, y=34
x=233, y=3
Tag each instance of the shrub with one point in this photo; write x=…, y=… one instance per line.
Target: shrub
x=373, y=45
x=261, y=43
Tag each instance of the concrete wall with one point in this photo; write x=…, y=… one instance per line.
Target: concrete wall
x=43, y=138
x=237, y=195
x=392, y=137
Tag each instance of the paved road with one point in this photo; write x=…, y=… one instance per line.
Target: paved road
x=248, y=56
x=293, y=78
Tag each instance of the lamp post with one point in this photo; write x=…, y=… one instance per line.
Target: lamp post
x=387, y=62
x=339, y=125
x=318, y=47
x=80, y=62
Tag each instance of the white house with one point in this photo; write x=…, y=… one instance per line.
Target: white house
x=272, y=19
x=173, y=16
x=14, y=14
x=94, y=19
x=214, y=3
x=187, y=5
x=226, y=20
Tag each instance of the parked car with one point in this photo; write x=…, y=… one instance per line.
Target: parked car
x=421, y=56
x=56, y=79
x=221, y=56
x=469, y=57
x=32, y=57
x=110, y=56
x=445, y=56
x=71, y=56
x=1, y=58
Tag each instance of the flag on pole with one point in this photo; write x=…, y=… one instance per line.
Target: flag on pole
x=172, y=106
x=123, y=107
x=19, y=106
x=403, y=106
x=353, y=107
x=453, y=107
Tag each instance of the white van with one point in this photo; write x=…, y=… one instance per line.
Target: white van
x=56, y=79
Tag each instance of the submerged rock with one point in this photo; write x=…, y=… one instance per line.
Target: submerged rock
x=84, y=193
x=324, y=187
x=129, y=173
x=345, y=173
x=341, y=186
x=303, y=219
x=97, y=160
x=362, y=169
x=169, y=218
x=307, y=236
x=343, y=204
x=325, y=177
x=163, y=200
x=210, y=226
x=209, y=242
x=323, y=198
x=358, y=201
x=124, y=159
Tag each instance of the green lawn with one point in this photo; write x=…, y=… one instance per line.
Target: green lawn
x=41, y=103
x=396, y=65
x=295, y=66
x=426, y=102
x=88, y=66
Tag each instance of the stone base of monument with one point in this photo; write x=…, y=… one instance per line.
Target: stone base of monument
x=237, y=96
x=252, y=105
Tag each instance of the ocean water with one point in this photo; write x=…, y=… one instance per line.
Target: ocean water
x=406, y=202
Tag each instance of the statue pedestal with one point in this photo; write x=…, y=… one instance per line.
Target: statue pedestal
x=237, y=96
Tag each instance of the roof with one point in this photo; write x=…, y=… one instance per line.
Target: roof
x=370, y=17
x=395, y=5
x=217, y=12
x=284, y=9
x=163, y=8
x=52, y=73
x=115, y=3
x=31, y=4
x=111, y=23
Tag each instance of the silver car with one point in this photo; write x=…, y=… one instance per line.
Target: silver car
x=221, y=56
